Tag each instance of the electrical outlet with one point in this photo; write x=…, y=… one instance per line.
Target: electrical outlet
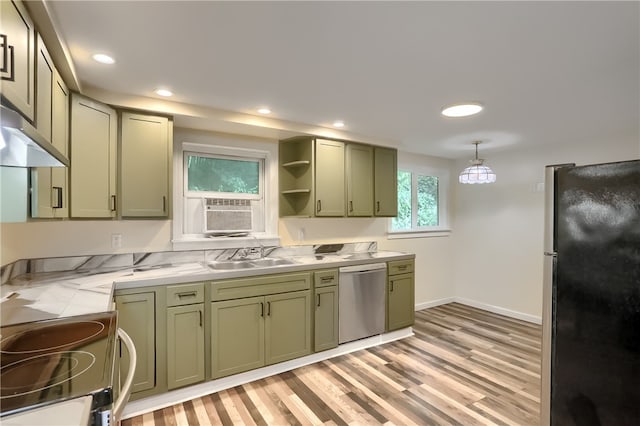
x=116, y=241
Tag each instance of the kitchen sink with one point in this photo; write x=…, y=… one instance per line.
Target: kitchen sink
x=271, y=262
x=245, y=264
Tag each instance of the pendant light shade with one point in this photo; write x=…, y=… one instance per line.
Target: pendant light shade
x=477, y=172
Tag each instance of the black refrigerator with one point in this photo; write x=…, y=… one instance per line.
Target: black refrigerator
x=591, y=309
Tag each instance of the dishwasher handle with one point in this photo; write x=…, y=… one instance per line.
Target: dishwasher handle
x=370, y=267
x=125, y=392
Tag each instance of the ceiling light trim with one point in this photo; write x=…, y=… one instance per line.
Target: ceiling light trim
x=461, y=110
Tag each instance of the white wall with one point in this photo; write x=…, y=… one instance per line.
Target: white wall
x=498, y=234
x=79, y=237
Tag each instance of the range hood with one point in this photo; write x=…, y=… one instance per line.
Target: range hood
x=21, y=145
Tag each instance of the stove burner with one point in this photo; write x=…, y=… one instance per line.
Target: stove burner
x=50, y=337
x=43, y=372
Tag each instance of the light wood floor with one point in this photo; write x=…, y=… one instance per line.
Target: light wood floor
x=464, y=366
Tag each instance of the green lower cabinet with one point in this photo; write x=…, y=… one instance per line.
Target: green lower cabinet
x=287, y=326
x=185, y=345
x=400, y=301
x=136, y=316
x=326, y=318
x=257, y=331
x=237, y=336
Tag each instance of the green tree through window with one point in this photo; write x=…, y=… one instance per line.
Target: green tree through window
x=208, y=174
x=417, y=201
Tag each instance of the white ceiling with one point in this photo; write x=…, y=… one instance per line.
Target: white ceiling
x=547, y=72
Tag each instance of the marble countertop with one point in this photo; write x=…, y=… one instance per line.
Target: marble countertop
x=46, y=295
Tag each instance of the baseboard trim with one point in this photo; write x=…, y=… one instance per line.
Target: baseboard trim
x=434, y=303
x=152, y=403
x=499, y=310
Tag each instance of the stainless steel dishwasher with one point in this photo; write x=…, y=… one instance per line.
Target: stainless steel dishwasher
x=361, y=294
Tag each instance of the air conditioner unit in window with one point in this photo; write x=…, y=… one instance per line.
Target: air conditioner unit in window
x=227, y=217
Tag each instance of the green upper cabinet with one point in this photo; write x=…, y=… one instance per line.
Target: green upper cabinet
x=400, y=294
x=49, y=196
x=329, y=178
x=385, y=182
x=145, y=164
x=18, y=70
x=359, y=171
x=136, y=316
x=93, y=159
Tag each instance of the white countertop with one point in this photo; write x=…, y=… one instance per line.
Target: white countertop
x=33, y=297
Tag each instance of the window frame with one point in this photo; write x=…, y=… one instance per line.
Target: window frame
x=443, y=228
x=234, y=146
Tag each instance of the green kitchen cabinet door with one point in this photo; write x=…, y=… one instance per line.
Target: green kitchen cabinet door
x=385, y=182
x=400, y=301
x=145, y=160
x=18, y=80
x=49, y=192
x=185, y=345
x=287, y=326
x=359, y=167
x=136, y=316
x=326, y=318
x=329, y=178
x=237, y=336
x=93, y=159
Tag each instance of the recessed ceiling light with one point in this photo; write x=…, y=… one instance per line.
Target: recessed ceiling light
x=264, y=111
x=103, y=59
x=462, y=110
x=164, y=92
x=338, y=123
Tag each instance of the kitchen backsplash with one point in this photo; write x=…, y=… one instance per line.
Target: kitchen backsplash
x=141, y=260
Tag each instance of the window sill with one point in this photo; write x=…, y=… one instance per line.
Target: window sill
x=202, y=243
x=392, y=235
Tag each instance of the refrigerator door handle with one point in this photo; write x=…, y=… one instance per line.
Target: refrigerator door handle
x=551, y=253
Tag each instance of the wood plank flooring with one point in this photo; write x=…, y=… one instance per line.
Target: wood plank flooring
x=464, y=366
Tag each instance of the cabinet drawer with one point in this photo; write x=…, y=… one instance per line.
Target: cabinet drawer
x=185, y=294
x=259, y=286
x=325, y=277
x=400, y=267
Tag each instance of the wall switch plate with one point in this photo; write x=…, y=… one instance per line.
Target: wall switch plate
x=116, y=241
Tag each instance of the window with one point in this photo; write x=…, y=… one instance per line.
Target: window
x=422, y=196
x=222, y=176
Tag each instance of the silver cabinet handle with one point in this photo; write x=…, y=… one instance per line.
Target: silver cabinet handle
x=189, y=294
x=58, y=197
x=125, y=392
x=8, y=62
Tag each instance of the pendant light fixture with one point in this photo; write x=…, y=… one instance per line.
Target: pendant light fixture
x=477, y=172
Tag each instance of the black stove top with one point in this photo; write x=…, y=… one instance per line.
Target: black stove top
x=48, y=361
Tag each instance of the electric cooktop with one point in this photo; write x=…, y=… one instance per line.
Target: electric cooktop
x=44, y=362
